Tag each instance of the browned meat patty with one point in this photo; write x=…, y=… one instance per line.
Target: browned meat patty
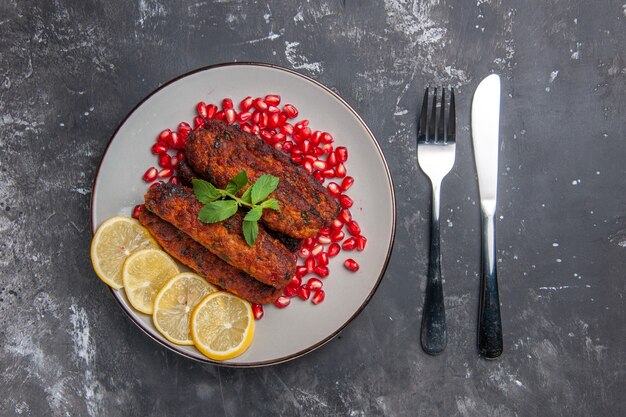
x=218, y=152
x=267, y=260
x=185, y=172
x=198, y=258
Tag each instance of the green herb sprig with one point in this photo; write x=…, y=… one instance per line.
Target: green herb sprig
x=219, y=205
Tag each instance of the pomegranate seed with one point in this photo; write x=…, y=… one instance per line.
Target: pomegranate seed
x=301, y=271
x=165, y=161
x=257, y=311
x=307, y=165
x=340, y=171
x=351, y=265
x=219, y=115
x=297, y=158
x=227, y=104
x=301, y=124
x=349, y=244
x=353, y=228
x=278, y=146
x=304, y=292
x=201, y=109
x=322, y=259
x=247, y=128
x=295, y=281
x=290, y=291
x=273, y=110
x=305, y=133
x=287, y=146
x=230, y=115
x=174, y=162
x=319, y=177
x=304, y=253
x=255, y=130
x=264, y=120
x=166, y=172
x=331, y=160
x=137, y=210
x=266, y=134
x=290, y=111
x=174, y=140
x=184, y=129
x=310, y=264
x=308, y=242
x=318, y=297
x=333, y=249
x=337, y=235
x=198, y=123
x=333, y=189
x=345, y=216
x=287, y=129
x=319, y=165
x=324, y=240
x=159, y=148
x=174, y=180
x=314, y=284
x=321, y=271
x=272, y=120
x=342, y=154
x=278, y=137
x=259, y=104
x=243, y=117
x=317, y=151
x=164, y=135
x=317, y=249
x=150, y=175
x=315, y=137
x=305, y=147
x=310, y=158
x=282, y=119
x=360, y=242
x=327, y=149
x=329, y=173
x=346, y=183
x=345, y=201
x=245, y=104
x=155, y=184
x=324, y=231
x=282, y=302
x=327, y=138
x=336, y=224
x=211, y=111
x=272, y=99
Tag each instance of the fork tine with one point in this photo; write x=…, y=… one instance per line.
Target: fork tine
x=422, y=121
x=433, y=120
x=451, y=131
x=441, y=138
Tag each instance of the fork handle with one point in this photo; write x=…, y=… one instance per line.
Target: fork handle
x=489, y=322
x=434, y=335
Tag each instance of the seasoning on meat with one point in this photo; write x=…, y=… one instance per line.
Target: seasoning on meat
x=198, y=258
x=267, y=260
x=218, y=152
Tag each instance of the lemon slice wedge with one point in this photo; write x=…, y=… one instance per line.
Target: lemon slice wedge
x=175, y=302
x=144, y=274
x=222, y=326
x=114, y=240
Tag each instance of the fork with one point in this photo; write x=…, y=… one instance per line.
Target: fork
x=435, y=155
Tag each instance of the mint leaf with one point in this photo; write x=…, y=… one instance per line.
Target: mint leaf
x=217, y=211
x=237, y=182
x=271, y=204
x=263, y=187
x=250, y=231
x=254, y=214
x=205, y=191
x=245, y=197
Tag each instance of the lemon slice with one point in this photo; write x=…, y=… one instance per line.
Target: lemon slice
x=114, y=240
x=222, y=326
x=144, y=274
x=175, y=302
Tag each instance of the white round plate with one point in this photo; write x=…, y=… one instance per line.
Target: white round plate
x=301, y=327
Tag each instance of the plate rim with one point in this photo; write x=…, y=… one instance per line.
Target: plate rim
x=393, y=215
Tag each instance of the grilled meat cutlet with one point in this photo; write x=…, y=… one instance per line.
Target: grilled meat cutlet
x=198, y=258
x=187, y=174
x=267, y=260
x=219, y=151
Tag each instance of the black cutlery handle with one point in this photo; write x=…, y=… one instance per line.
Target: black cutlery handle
x=490, y=343
x=434, y=335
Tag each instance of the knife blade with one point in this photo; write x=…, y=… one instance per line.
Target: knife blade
x=485, y=122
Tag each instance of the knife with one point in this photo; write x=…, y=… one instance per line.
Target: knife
x=485, y=132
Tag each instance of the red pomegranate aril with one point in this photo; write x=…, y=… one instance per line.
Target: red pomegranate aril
x=164, y=136
x=174, y=180
x=310, y=158
x=342, y=153
x=155, y=184
x=150, y=175
x=137, y=210
x=282, y=119
x=227, y=104
x=272, y=120
x=349, y=244
x=333, y=249
x=353, y=228
x=301, y=271
x=243, y=117
x=301, y=125
x=255, y=130
x=165, y=161
x=201, y=109
x=180, y=155
x=345, y=216
x=314, y=284
x=295, y=281
x=319, y=165
x=305, y=133
x=211, y=111
x=272, y=99
x=319, y=177
x=322, y=259
x=321, y=271
x=287, y=129
x=287, y=146
x=337, y=235
x=273, y=109
x=290, y=111
x=160, y=148
x=247, y=128
x=297, y=158
x=327, y=149
x=198, y=123
x=304, y=292
x=324, y=231
x=282, y=301
x=360, y=242
x=175, y=140
x=264, y=120
x=308, y=242
x=290, y=291
x=327, y=138
x=345, y=201
x=331, y=160
x=245, y=104
x=278, y=146
x=340, y=171
x=174, y=162
x=315, y=137
x=184, y=129
x=278, y=137
x=329, y=173
x=257, y=311
x=317, y=249
x=351, y=265
x=166, y=173
x=333, y=189
x=305, y=147
x=304, y=252
x=230, y=115
x=219, y=115
x=336, y=224
x=318, y=297
x=324, y=240
x=346, y=183
x=317, y=151
x=308, y=166
x=310, y=264
x=259, y=104
x=256, y=117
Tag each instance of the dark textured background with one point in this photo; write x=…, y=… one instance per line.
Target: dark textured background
x=71, y=70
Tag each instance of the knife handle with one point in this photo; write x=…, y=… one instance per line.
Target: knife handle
x=434, y=335
x=490, y=343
